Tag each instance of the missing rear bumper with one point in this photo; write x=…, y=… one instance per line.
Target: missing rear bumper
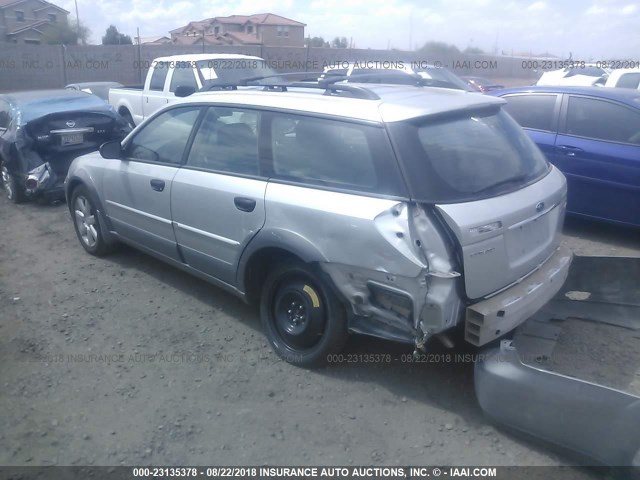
x=491, y=318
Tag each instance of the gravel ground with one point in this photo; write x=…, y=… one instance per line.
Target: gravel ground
x=124, y=360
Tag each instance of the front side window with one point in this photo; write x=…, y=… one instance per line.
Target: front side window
x=533, y=111
x=183, y=76
x=158, y=77
x=333, y=153
x=164, y=138
x=226, y=142
x=467, y=156
x=603, y=120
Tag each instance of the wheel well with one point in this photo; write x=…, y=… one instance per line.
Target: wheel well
x=259, y=266
x=73, y=184
x=124, y=110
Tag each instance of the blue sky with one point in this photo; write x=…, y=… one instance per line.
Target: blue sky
x=589, y=29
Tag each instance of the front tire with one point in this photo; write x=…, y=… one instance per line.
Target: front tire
x=87, y=224
x=302, y=318
x=12, y=188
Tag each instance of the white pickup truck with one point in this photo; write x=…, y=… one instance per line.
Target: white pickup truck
x=190, y=72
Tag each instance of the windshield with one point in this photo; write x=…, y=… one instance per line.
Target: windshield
x=232, y=70
x=466, y=157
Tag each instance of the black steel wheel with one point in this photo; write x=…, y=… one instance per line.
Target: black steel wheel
x=302, y=317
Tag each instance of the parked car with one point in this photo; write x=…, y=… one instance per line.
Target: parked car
x=480, y=84
x=592, y=135
x=429, y=75
x=41, y=132
x=180, y=75
x=624, y=78
x=99, y=89
x=589, y=75
x=298, y=201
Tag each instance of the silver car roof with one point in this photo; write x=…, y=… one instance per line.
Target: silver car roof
x=396, y=103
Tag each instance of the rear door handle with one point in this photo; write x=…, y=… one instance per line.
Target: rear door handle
x=569, y=150
x=245, y=204
x=157, y=185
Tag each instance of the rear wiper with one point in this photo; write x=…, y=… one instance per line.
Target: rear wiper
x=516, y=179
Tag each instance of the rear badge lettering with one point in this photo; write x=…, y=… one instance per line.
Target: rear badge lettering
x=482, y=252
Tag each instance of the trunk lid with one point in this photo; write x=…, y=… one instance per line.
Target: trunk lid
x=504, y=238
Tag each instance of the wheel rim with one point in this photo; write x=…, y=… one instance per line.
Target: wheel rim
x=6, y=182
x=299, y=321
x=85, y=221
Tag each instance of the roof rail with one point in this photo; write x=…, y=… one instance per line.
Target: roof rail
x=402, y=78
x=309, y=80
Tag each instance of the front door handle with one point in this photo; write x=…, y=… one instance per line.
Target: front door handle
x=157, y=185
x=245, y=204
x=569, y=150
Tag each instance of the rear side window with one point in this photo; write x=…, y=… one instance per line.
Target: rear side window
x=322, y=150
x=629, y=80
x=533, y=111
x=164, y=138
x=467, y=156
x=183, y=76
x=226, y=141
x=158, y=77
x=602, y=120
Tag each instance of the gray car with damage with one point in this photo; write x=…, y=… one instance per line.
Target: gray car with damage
x=393, y=211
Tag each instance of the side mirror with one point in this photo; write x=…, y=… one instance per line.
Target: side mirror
x=111, y=150
x=184, y=91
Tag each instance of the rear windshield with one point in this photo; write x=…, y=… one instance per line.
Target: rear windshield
x=466, y=157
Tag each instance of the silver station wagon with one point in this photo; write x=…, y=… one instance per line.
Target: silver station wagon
x=393, y=211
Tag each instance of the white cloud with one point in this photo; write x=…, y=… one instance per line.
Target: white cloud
x=629, y=9
x=537, y=7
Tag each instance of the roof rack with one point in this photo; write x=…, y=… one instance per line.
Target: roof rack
x=312, y=83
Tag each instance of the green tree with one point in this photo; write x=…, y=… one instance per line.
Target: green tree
x=340, y=42
x=438, y=50
x=473, y=50
x=316, y=42
x=66, y=33
x=113, y=37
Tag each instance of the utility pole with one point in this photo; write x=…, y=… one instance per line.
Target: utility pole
x=78, y=20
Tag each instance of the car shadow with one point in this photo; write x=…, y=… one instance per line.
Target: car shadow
x=602, y=232
x=441, y=377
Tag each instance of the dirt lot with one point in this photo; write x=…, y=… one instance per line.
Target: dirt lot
x=124, y=360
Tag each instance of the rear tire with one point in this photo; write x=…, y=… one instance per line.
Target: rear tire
x=12, y=188
x=87, y=223
x=301, y=316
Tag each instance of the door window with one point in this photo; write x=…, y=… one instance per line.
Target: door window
x=158, y=77
x=183, y=76
x=629, y=80
x=603, y=120
x=226, y=141
x=533, y=111
x=164, y=138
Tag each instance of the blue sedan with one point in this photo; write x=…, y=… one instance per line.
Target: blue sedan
x=592, y=134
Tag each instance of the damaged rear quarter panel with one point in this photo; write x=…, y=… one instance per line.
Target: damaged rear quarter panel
x=367, y=241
